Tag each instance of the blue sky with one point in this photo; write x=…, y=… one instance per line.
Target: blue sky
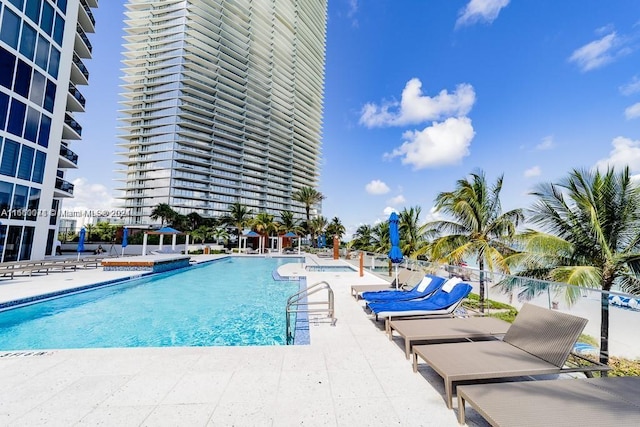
x=418, y=94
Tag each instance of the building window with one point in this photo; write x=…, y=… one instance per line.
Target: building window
x=17, y=3
x=54, y=62
x=45, y=129
x=7, y=65
x=16, y=117
x=37, y=88
x=9, y=162
x=42, y=52
x=33, y=10
x=46, y=23
x=6, y=193
x=49, y=96
x=4, y=110
x=23, y=79
x=62, y=5
x=38, y=167
x=58, y=32
x=26, y=163
x=19, y=205
x=28, y=41
x=32, y=124
x=33, y=205
x=10, y=29
x=27, y=243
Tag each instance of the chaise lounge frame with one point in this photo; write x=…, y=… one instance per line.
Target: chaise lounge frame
x=538, y=342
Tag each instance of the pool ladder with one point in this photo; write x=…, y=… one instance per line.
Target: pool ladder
x=296, y=300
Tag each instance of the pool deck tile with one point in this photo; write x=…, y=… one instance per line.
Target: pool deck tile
x=350, y=374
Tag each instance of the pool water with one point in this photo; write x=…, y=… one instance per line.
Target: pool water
x=228, y=302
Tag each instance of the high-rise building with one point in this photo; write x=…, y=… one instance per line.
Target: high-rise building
x=43, y=45
x=222, y=104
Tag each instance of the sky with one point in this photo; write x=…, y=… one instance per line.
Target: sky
x=419, y=94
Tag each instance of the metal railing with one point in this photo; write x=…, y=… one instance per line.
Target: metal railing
x=300, y=299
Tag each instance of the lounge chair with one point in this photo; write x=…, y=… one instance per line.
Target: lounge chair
x=404, y=276
x=613, y=401
x=442, y=303
x=455, y=329
x=427, y=286
x=537, y=343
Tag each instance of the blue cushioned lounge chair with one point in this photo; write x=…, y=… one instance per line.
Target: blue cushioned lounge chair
x=443, y=302
x=427, y=286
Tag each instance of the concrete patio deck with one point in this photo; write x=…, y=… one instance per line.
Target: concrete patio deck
x=350, y=374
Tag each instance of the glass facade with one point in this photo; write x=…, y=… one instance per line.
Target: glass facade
x=32, y=39
x=226, y=98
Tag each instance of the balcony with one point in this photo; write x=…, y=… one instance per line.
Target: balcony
x=85, y=17
x=79, y=72
x=63, y=188
x=68, y=159
x=72, y=129
x=75, y=100
x=82, y=44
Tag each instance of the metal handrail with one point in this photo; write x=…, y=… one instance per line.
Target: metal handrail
x=294, y=301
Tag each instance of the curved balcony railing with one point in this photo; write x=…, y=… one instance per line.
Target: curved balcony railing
x=73, y=90
x=81, y=66
x=70, y=121
x=63, y=185
x=69, y=155
x=84, y=38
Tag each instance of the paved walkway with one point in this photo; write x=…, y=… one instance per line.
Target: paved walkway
x=349, y=375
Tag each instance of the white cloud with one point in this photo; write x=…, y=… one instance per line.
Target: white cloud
x=531, y=172
x=377, y=187
x=89, y=196
x=625, y=152
x=632, y=87
x=632, y=112
x=417, y=108
x=397, y=200
x=546, y=144
x=597, y=53
x=480, y=11
x=443, y=143
x=353, y=10
x=387, y=211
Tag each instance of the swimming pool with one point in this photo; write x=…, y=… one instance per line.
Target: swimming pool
x=228, y=302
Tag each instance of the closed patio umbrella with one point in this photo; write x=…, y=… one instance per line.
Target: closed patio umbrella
x=81, y=238
x=395, y=254
x=125, y=235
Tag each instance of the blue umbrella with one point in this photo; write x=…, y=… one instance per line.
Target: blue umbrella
x=125, y=234
x=83, y=232
x=395, y=254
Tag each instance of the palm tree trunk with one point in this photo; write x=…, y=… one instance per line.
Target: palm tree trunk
x=481, y=283
x=604, y=330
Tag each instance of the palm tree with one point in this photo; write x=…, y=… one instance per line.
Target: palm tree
x=308, y=197
x=91, y=229
x=335, y=228
x=477, y=227
x=317, y=226
x=288, y=222
x=194, y=220
x=239, y=216
x=363, y=237
x=380, y=241
x=412, y=234
x=264, y=225
x=589, y=236
x=164, y=212
x=219, y=233
x=202, y=233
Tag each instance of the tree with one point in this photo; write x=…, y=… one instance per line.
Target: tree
x=363, y=238
x=163, y=212
x=194, y=220
x=288, y=222
x=264, y=225
x=588, y=236
x=477, y=227
x=91, y=229
x=412, y=234
x=239, y=216
x=219, y=233
x=202, y=233
x=317, y=226
x=106, y=231
x=335, y=228
x=308, y=197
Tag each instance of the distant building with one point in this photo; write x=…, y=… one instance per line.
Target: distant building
x=43, y=45
x=223, y=104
